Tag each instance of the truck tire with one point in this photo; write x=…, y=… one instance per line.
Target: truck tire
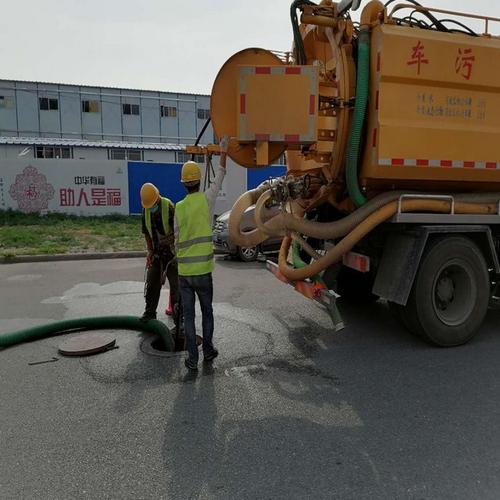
x=355, y=287
x=408, y=319
x=248, y=254
x=450, y=295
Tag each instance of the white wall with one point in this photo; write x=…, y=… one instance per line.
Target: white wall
x=79, y=187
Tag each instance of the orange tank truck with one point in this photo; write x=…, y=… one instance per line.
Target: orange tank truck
x=391, y=130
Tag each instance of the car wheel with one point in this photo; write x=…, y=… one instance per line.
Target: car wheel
x=247, y=254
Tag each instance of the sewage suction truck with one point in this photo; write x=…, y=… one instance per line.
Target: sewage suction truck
x=391, y=131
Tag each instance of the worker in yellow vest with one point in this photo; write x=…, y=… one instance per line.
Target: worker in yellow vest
x=195, y=254
x=158, y=229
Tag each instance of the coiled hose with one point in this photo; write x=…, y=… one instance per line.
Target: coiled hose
x=468, y=205
x=93, y=323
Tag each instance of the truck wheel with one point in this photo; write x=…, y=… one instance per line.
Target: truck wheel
x=408, y=318
x=248, y=254
x=450, y=295
x=355, y=287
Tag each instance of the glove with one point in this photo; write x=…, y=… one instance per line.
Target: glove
x=224, y=144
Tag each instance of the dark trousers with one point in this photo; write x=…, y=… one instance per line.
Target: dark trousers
x=202, y=286
x=154, y=281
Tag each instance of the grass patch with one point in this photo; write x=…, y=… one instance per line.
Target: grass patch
x=33, y=234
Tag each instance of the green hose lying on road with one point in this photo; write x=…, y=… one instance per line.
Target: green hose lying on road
x=92, y=323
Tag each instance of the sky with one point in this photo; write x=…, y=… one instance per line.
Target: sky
x=154, y=44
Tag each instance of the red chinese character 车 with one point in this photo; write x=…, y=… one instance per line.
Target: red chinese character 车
x=418, y=57
x=464, y=63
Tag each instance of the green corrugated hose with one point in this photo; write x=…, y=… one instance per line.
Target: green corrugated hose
x=362, y=89
x=298, y=263
x=92, y=323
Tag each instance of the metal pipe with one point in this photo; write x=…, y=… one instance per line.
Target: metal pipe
x=325, y=21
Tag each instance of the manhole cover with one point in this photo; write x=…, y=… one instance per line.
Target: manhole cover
x=85, y=345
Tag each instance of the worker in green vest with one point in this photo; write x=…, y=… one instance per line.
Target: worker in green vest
x=195, y=254
x=158, y=229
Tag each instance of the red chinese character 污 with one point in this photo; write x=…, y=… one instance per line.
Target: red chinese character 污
x=418, y=57
x=83, y=197
x=98, y=196
x=464, y=63
x=114, y=197
x=67, y=197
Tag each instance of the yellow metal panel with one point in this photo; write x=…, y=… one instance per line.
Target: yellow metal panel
x=434, y=110
x=277, y=104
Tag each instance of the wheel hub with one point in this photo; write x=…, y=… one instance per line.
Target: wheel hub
x=454, y=293
x=445, y=292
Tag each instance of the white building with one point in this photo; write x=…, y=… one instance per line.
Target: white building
x=72, y=148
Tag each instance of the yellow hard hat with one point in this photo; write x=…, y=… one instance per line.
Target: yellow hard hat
x=149, y=195
x=190, y=172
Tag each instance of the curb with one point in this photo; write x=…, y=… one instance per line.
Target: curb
x=71, y=256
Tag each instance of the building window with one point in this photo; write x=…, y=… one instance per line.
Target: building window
x=203, y=114
x=130, y=109
x=170, y=111
x=90, y=106
x=53, y=152
x=183, y=157
x=125, y=154
x=48, y=104
x=6, y=102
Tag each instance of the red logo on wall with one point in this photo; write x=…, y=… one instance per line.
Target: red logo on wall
x=31, y=191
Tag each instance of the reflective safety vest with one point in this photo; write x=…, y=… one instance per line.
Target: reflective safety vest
x=165, y=208
x=195, y=251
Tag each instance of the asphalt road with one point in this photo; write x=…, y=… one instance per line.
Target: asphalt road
x=289, y=410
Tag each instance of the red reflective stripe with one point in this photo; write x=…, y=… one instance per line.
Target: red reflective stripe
x=361, y=261
x=469, y=164
x=292, y=138
x=446, y=163
x=312, y=104
x=491, y=165
x=243, y=104
x=377, y=95
x=398, y=162
x=374, y=140
x=422, y=163
x=293, y=70
x=262, y=137
x=264, y=70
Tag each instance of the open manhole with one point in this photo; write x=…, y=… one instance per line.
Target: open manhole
x=154, y=346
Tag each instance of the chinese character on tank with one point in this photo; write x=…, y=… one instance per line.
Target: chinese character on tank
x=464, y=63
x=418, y=57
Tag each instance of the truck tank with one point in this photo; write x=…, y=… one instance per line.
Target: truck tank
x=405, y=101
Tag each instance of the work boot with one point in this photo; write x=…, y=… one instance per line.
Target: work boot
x=190, y=364
x=147, y=316
x=210, y=357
